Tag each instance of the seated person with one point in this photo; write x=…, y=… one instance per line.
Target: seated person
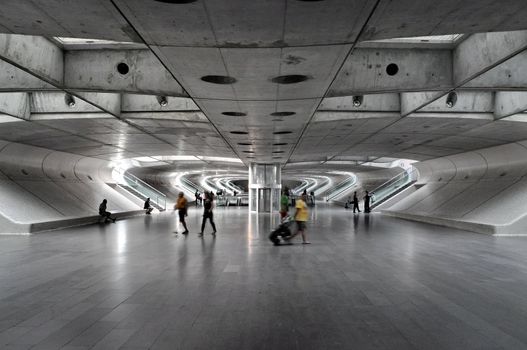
x=148, y=207
x=106, y=214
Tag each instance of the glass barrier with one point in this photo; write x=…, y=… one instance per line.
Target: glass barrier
x=393, y=186
x=144, y=191
x=341, y=188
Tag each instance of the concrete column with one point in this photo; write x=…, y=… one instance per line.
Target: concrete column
x=264, y=187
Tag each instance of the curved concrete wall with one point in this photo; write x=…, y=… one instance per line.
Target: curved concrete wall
x=39, y=185
x=482, y=191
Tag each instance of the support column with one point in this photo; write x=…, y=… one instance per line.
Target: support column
x=265, y=182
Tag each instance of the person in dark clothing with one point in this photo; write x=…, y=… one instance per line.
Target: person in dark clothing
x=356, y=202
x=106, y=214
x=367, y=198
x=198, y=198
x=148, y=207
x=181, y=206
x=208, y=205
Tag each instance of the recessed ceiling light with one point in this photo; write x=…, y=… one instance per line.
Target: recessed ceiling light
x=290, y=79
x=218, y=79
x=239, y=132
x=282, y=114
x=234, y=114
x=284, y=132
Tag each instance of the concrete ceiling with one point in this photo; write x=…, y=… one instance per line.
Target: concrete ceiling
x=336, y=48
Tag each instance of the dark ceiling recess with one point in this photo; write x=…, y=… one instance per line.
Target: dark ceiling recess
x=218, y=79
x=282, y=114
x=290, y=79
x=239, y=132
x=176, y=1
x=278, y=120
x=392, y=69
x=282, y=132
x=234, y=114
x=276, y=152
x=280, y=144
x=123, y=68
x=251, y=157
x=248, y=151
x=245, y=144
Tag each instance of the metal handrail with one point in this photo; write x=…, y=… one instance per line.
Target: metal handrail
x=145, y=189
x=341, y=187
x=402, y=179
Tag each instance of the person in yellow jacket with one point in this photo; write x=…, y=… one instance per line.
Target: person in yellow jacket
x=181, y=206
x=301, y=216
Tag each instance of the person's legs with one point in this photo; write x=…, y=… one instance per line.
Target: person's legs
x=203, y=224
x=109, y=216
x=302, y=231
x=182, y=221
x=211, y=218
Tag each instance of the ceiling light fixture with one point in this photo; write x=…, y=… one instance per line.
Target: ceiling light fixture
x=69, y=100
x=451, y=99
x=357, y=100
x=162, y=100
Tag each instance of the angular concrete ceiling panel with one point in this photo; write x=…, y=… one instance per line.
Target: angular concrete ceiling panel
x=76, y=18
x=406, y=18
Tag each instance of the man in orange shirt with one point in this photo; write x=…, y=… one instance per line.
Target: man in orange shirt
x=181, y=206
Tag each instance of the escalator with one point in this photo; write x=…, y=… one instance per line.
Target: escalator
x=140, y=189
x=393, y=187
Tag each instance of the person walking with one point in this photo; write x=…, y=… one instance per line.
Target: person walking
x=355, y=202
x=103, y=212
x=367, y=199
x=208, y=205
x=181, y=206
x=301, y=216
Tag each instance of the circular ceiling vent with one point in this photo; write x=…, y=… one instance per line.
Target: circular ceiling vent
x=123, y=68
x=218, y=79
x=234, y=114
x=392, y=69
x=282, y=114
x=290, y=79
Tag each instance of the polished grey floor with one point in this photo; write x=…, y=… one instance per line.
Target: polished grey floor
x=366, y=282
